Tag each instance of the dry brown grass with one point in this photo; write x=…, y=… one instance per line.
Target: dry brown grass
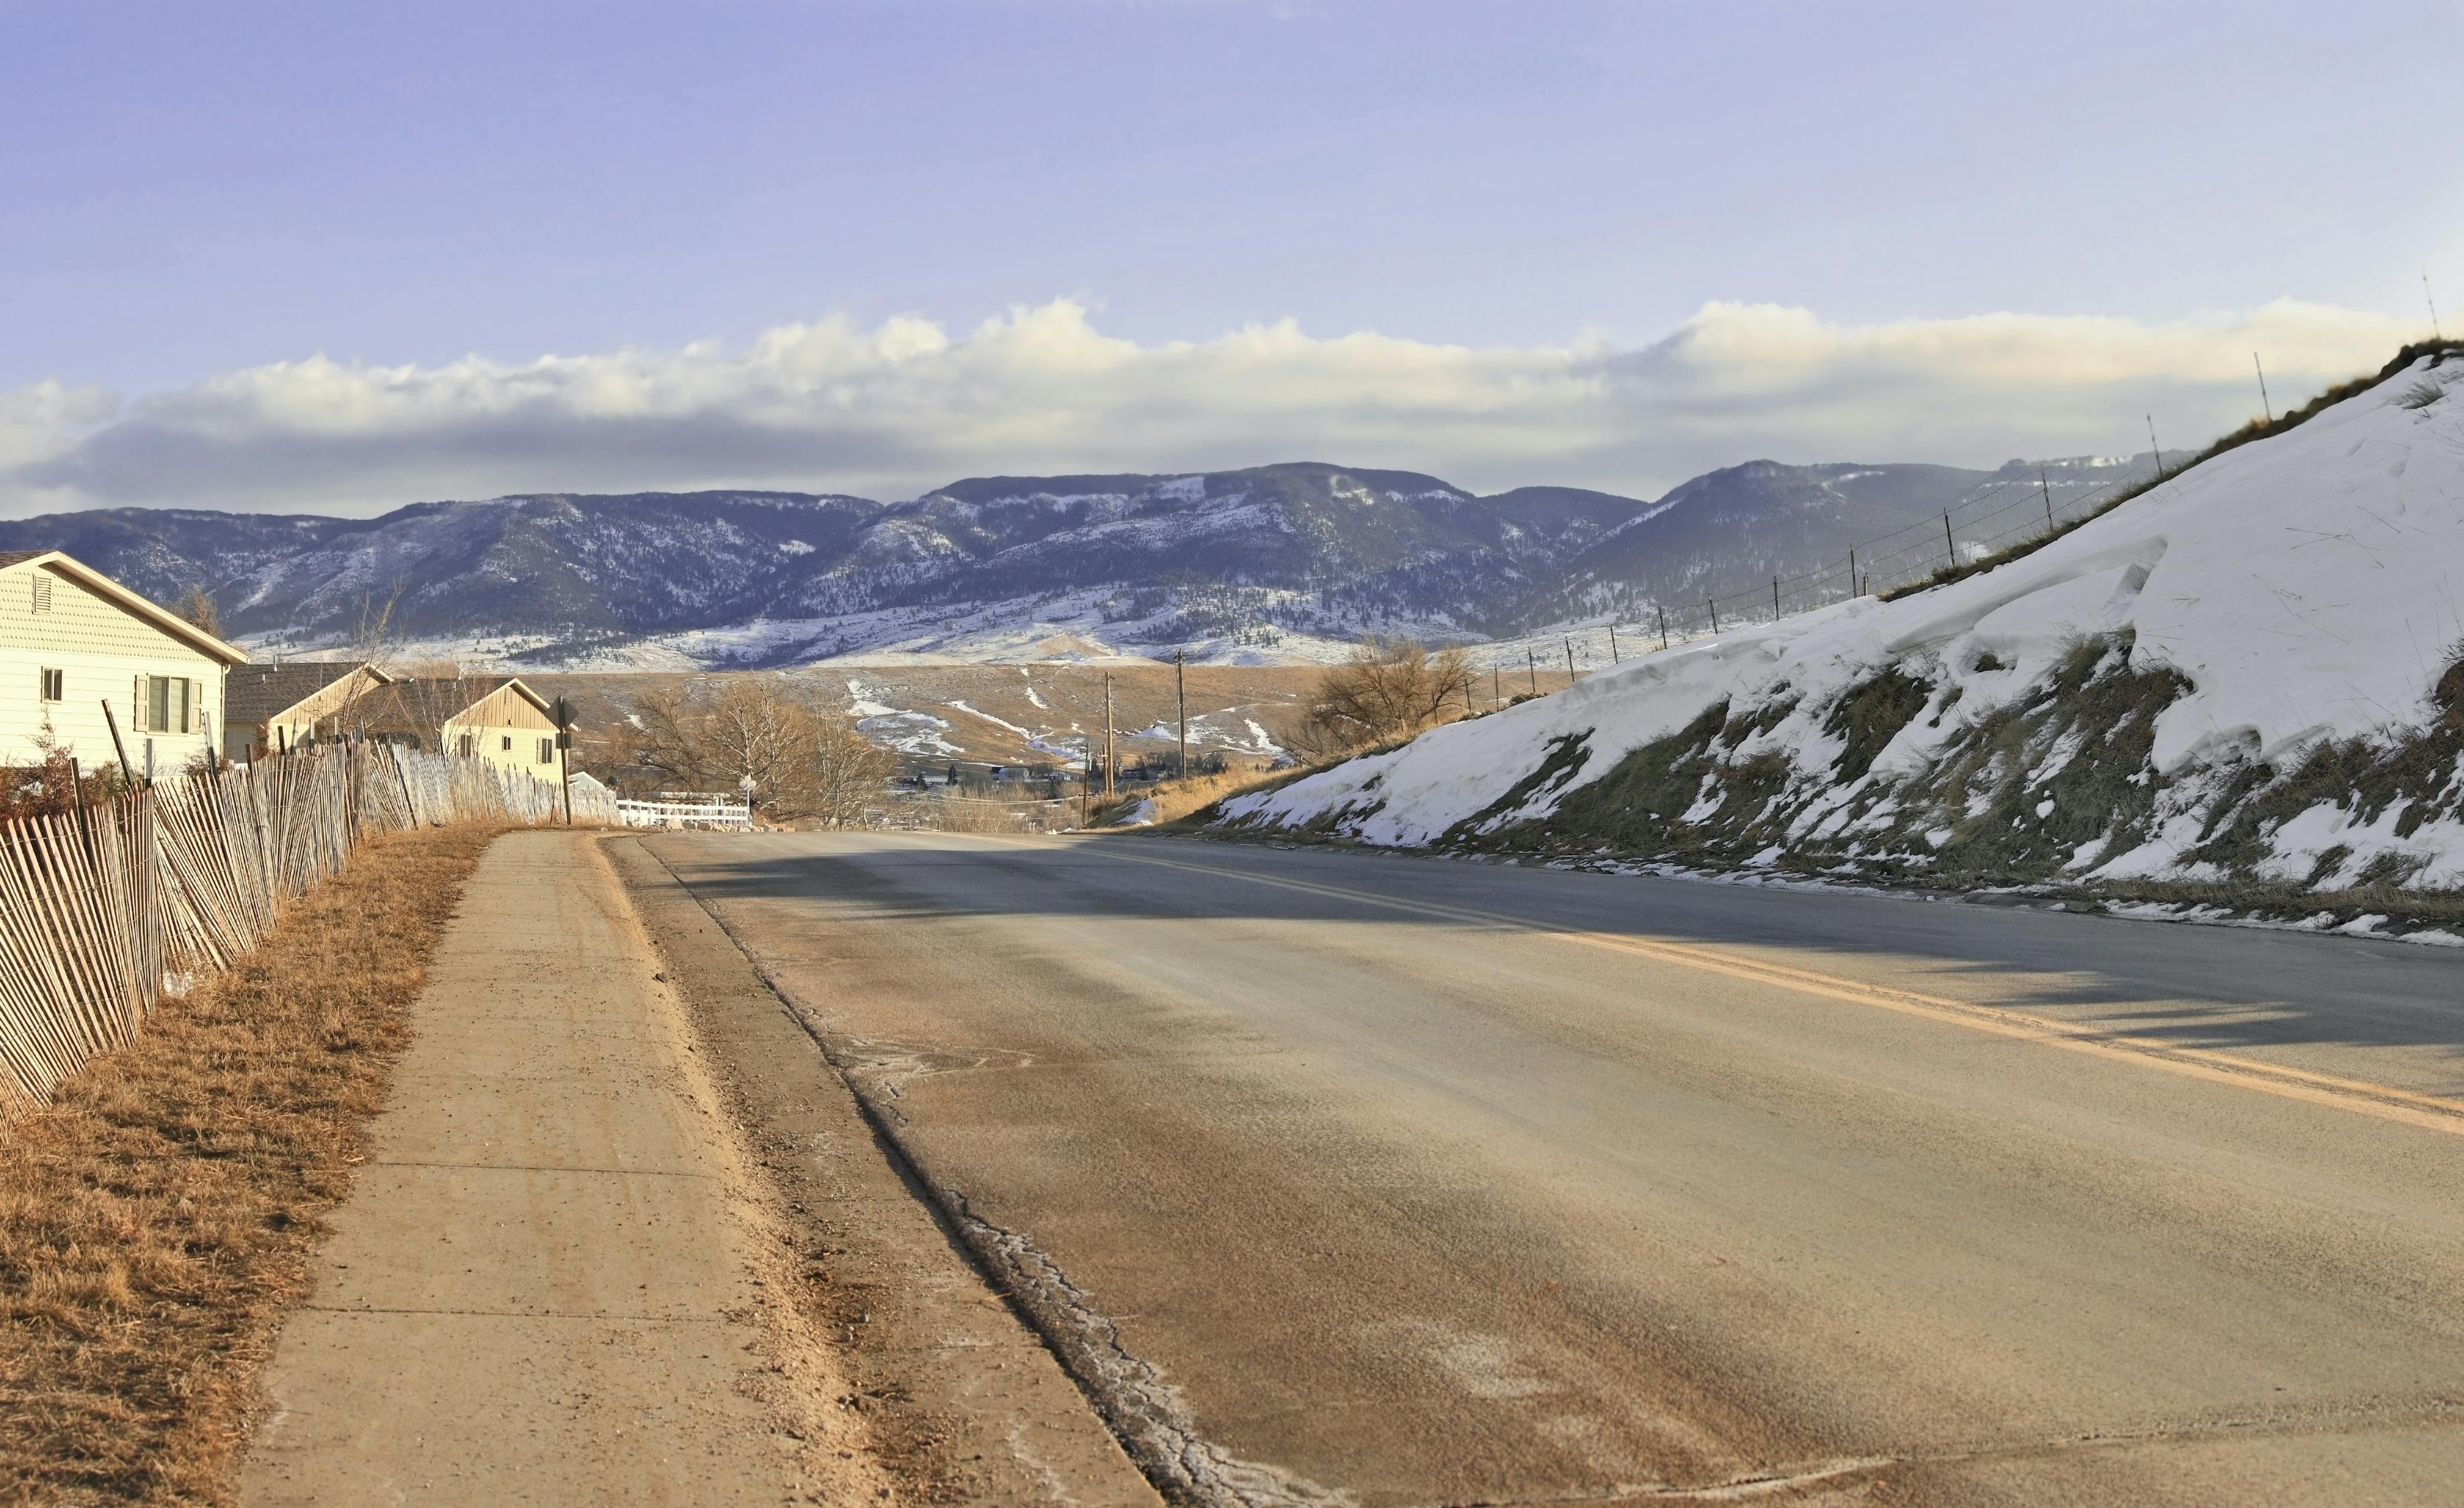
x=155, y=1223
x=1176, y=799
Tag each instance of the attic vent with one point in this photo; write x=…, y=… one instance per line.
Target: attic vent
x=42, y=592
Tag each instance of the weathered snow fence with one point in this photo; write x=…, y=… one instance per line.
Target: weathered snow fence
x=104, y=909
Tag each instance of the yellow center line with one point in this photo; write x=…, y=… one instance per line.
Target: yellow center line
x=2363, y=1096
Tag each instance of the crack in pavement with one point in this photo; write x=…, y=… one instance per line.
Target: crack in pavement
x=1145, y=1412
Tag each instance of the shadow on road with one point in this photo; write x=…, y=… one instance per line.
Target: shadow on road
x=2215, y=987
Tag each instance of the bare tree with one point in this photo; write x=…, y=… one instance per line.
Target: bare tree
x=198, y=608
x=1389, y=689
x=802, y=755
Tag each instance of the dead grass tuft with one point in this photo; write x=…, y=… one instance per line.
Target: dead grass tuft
x=157, y=1220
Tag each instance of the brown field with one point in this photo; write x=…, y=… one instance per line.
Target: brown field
x=1224, y=700
x=155, y=1222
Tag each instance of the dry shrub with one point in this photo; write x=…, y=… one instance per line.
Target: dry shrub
x=53, y=784
x=156, y=1221
x=1389, y=689
x=1175, y=799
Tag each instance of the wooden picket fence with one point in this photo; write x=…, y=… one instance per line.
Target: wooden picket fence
x=106, y=909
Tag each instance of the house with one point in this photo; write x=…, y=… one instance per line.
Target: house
x=492, y=717
x=74, y=643
x=274, y=709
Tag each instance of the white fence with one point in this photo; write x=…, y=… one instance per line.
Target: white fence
x=686, y=809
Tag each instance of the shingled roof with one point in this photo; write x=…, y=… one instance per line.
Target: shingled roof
x=253, y=694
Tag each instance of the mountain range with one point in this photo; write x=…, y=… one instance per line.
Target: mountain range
x=1284, y=562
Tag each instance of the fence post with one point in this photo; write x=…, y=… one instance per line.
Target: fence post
x=1947, y=542
x=1663, y=624
x=2048, y=488
x=1715, y=615
x=1569, y=659
x=1851, y=573
x=1774, y=599
x=1531, y=670
x=1613, y=657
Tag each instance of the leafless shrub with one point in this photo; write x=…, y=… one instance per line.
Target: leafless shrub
x=1389, y=689
x=2422, y=394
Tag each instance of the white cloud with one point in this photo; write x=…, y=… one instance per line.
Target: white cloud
x=891, y=410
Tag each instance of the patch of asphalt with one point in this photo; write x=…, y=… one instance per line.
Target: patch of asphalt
x=962, y=1402
x=1143, y=1411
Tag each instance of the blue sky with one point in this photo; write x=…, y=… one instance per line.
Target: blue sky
x=196, y=202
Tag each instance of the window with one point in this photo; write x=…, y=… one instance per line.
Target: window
x=55, y=686
x=42, y=591
x=166, y=703
x=465, y=746
x=508, y=745
x=548, y=750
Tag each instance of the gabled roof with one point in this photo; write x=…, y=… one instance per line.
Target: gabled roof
x=128, y=601
x=424, y=704
x=261, y=693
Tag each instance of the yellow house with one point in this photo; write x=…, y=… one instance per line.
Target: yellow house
x=274, y=709
x=82, y=657
x=492, y=717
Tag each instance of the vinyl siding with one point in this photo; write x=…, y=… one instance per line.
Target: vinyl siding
x=299, y=723
x=504, y=714
x=100, y=650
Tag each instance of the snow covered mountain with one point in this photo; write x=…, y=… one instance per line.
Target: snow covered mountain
x=1271, y=563
x=2243, y=686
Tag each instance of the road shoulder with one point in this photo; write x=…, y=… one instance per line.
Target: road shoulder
x=961, y=1401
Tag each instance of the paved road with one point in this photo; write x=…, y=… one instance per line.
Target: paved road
x=1414, y=1182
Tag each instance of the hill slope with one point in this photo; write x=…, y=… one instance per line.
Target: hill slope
x=1275, y=562
x=2246, y=679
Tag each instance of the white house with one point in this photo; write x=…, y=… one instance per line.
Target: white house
x=74, y=643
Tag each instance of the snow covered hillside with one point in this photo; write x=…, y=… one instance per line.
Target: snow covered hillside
x=1275, y=564
x=2247, y=677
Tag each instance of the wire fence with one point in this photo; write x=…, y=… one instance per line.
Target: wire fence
x=1997, y=517
x=107, y=908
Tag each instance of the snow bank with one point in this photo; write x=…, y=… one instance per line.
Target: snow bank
x=2301, y=588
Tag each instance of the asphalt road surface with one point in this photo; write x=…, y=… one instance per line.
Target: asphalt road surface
x=1344, y=1177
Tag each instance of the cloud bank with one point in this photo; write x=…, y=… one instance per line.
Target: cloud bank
x=891, y=412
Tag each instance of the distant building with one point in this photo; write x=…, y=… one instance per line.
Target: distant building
x=492, y=717
x=274, y=709
x=74, y=642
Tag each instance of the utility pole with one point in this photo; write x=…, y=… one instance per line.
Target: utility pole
x=1715, y=616
x=1085, y=776
x=1496, y=686
x=563, y=772
x=1663, y=614
x=2265, y=406
x=1615, y=658
x=1107, y=735
x=1774, y=599
x=2157, y=452
x=1181, y=690
x=1531, y=670
x=1569, y=659
x=1851, y=573
x=2434, y=308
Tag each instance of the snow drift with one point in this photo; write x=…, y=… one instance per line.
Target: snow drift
x=2247, y=674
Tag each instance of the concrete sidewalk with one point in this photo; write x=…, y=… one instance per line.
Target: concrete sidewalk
x=551, y=1286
